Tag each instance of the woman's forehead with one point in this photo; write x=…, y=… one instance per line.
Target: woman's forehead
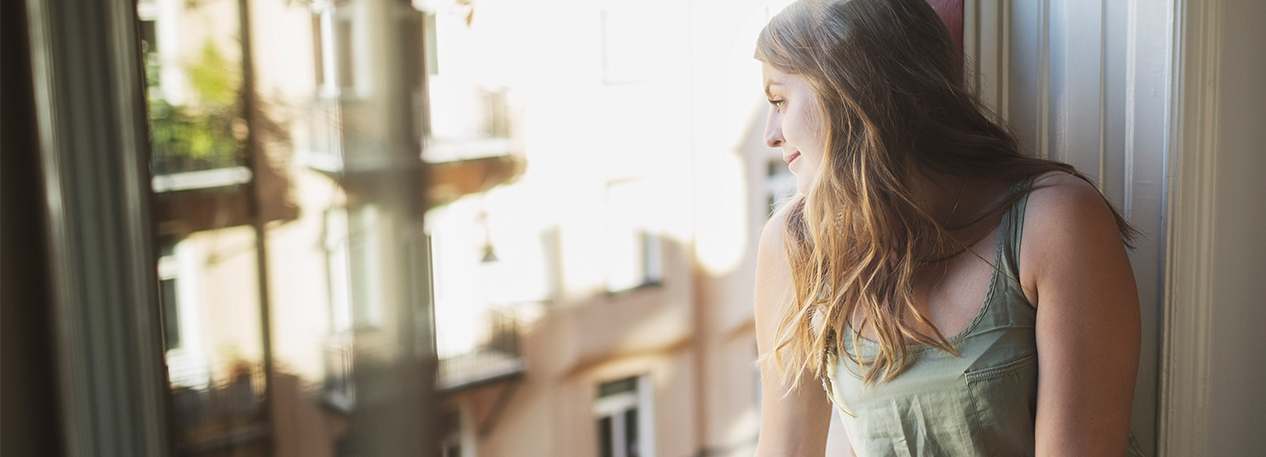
x=774, y=77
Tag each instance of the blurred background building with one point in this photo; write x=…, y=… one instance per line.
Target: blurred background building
x=507, y=228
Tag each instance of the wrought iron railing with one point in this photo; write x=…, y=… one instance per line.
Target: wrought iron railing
x=497, y=356
x=337, y=389
x=227, y=414
x=324, y=150
x=186, y=140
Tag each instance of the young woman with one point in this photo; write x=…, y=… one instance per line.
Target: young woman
x=954, y=296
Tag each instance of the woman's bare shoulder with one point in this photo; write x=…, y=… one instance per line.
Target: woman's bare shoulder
x=773, y=235
x=1063, y=189
x=773, y=271
x=1066, y=218
x=1062, y=202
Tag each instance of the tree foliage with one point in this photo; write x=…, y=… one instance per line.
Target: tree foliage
x=205, y=134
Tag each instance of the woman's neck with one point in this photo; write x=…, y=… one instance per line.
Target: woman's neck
x=955, y=202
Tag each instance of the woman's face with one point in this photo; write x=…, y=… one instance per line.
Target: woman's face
x=793, y=124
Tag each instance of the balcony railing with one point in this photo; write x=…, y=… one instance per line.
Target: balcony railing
x=195, y=148
x=498, y=356
x=337, y=389
x=228, y=414
x=324, y=150
x=487, y=132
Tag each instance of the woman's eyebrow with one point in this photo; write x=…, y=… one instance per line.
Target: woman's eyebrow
x=768, y=85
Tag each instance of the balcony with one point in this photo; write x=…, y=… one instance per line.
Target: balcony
x=196, y=148
x=457, y=167
x=229, y=415
x=337, y=389
x=324, y=149
x=200, y=168
x=498, y=356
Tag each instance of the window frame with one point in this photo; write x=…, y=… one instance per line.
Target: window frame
x=615, y=406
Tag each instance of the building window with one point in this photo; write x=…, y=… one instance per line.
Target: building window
x=161, y=51
x=149, y=52
x=624, y=418
x=430, y=45
x=635, y=253
x=187, y=365
x=457, y=430
x=470, y=106
x=334, y=46
x=167, y=282
x=451, y=434
x=351, y=256
x=337, y=266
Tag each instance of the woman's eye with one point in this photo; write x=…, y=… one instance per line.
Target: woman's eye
x=778, y=103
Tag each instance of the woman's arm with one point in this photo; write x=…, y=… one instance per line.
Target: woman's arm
x=1088, y=330
x=795, y=423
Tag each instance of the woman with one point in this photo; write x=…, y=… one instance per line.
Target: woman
x=954, y=296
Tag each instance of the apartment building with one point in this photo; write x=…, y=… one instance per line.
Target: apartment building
x=623, y=256
x=596, y=300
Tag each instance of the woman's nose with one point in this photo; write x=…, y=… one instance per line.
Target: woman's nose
x=773, y=135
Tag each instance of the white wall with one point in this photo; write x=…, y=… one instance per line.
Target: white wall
x=1087, y=82
x=1214, y=367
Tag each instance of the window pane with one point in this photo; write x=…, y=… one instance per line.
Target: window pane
x=346, y=58
x=606, y=448
x=285, y=288
x=149, y=52
x=171, y=313
x=318, y=64
x=630, y=433
x=617, y=387
x=209, y=270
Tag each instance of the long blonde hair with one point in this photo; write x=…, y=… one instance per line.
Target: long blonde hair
x=889, y=85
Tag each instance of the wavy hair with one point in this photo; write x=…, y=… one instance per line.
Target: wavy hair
x=889, y=84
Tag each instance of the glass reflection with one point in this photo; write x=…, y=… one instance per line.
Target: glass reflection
x=279, y=234
x=208, y=271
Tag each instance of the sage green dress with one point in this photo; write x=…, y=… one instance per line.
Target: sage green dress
x=979, y=403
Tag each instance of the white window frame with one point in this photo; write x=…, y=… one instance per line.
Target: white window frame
x=329, y=16
x=187, y=365
x=166, y=16
x=464, y=435
x=614, y=406
x=352, y=248
x=338, y=270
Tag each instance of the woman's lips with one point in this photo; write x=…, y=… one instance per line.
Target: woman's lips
x=791, y=157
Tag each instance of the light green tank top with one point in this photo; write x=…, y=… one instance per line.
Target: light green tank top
x=982, y=402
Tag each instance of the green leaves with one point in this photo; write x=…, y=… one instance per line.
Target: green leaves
x=213, y=77
x=187, y=139
x=199, y=136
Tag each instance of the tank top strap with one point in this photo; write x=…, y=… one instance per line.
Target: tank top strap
x=1011, y=231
